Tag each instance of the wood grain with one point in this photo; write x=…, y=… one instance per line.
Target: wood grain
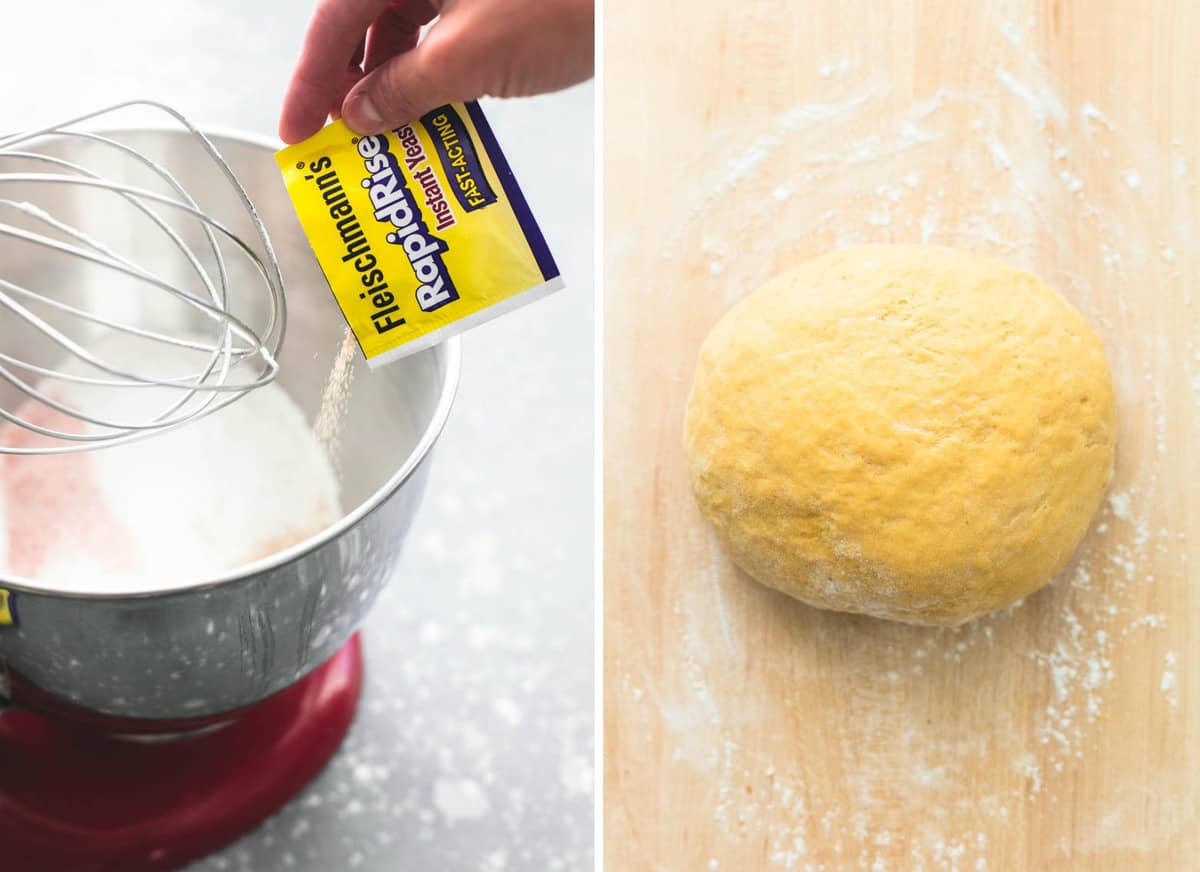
x=745, y=731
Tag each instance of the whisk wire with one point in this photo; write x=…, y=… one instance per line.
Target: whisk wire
x=212, y=367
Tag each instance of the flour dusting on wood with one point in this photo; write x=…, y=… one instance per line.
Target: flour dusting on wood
x=843, y=171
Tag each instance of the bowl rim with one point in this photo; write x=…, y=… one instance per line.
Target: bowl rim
x=450, y=351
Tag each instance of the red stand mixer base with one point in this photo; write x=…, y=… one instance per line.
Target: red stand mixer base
x=78, y=801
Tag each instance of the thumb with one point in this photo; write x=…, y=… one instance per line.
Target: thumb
x=396, y=93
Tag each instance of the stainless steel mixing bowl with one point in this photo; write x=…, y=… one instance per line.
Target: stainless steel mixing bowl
x=188, y=650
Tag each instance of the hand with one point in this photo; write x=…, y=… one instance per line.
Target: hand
x=361, y=58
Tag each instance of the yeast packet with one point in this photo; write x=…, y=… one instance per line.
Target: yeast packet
x=422, y=232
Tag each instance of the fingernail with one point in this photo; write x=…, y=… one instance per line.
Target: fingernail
x=363, y=113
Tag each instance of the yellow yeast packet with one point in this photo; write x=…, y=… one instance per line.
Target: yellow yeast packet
x=421, y=232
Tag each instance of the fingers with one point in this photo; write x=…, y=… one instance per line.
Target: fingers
x=398, y=91
x=333, y=37
x=350, y=77
x=534, y=47
x=472, y=51
x=397, y=30
x=394, y=35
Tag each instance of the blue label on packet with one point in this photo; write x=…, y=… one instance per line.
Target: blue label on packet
x=459, y=159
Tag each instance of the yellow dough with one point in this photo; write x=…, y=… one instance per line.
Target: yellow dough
x=906, y=431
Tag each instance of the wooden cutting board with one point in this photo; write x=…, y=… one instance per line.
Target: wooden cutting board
x=745, y=731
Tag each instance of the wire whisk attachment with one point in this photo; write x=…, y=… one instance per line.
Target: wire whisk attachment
x=138, y=286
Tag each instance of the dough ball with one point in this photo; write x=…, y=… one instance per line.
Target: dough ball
x=906, y=431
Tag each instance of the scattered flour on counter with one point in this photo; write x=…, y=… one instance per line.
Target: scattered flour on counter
x=1030, y=768
x=1119, y=502
x=508, y=711
x=431, y=633
x=1089, y=112
x=1041, y=103
x=460, y=799
x=576, y=776
x=436, y=778
x=831, y=68
x=495, y=861
x=1167, y=684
